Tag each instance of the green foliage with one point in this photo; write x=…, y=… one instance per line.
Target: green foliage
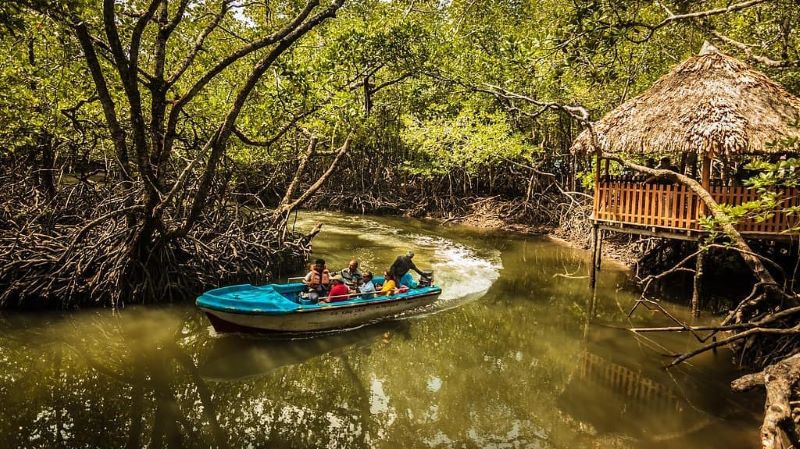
x=768, y=180
x=468, y=142
x=429, y=63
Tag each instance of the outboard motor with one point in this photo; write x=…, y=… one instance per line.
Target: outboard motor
x=425, y=279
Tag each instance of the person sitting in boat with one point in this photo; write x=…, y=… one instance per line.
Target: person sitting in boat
x=318, y=279
x=400, y=268
x=367, y=288
x=339, y=291
x=352, y=276
x=389, y=284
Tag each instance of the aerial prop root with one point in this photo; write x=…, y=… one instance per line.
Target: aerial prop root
x=76, y=250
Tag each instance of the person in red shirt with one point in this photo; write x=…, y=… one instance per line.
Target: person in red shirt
x=339, y=290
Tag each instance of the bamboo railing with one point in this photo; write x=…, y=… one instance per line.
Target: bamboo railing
x=675, y=207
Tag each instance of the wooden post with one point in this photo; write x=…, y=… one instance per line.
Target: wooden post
x=596, y=195
x=692, y=172
x=682, y=166
x=697, y=289
x=595, y=242
x=599, y=257
x=705, y=180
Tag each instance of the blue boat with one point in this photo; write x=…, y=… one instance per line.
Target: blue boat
x=282, y=308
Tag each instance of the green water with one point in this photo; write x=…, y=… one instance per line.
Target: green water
x=505, y=360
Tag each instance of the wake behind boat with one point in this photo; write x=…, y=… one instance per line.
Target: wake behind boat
x=283, y=308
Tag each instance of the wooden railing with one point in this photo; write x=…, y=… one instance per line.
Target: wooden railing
x=675, y=207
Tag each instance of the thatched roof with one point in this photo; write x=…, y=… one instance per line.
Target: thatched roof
x=710, y=103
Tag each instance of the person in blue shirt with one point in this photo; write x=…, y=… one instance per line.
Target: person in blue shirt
x=367, y=288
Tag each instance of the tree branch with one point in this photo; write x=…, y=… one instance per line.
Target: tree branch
x=708, y=13
x=198, y=44
x=301, y=168
x=219, y=140
x=748, y=52
x=287, y=207
x=109, y=111
x=271, y=141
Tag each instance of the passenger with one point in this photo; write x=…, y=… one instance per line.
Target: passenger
x=389, y=285
x=663, y=164
x=339, y=291
x=318, y=279
x=352, y=276
x=401, y=266
x=368, y=287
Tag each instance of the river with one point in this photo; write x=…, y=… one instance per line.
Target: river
x=508, y=358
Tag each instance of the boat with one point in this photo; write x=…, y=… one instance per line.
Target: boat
x=283, y=308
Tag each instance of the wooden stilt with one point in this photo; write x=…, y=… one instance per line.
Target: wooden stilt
x=599, y=257
x=697, y=290
x=595, y=242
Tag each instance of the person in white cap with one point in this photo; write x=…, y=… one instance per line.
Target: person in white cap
x=339, y=291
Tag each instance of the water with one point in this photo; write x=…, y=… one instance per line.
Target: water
x=506, y=359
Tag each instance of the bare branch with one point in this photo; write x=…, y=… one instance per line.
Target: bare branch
x=708, y=13
x=579, y=113
x=169, y=27
x=301, y=168
x=312, y=189
x=109, y=111
x=386, y=84
x=138, y=29
x=748, y=52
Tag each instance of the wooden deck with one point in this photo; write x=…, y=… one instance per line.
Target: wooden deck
x=676, y=209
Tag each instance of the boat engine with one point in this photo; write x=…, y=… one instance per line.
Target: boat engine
x=425, y=279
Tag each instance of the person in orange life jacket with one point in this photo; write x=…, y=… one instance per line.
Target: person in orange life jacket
x=339, y=290
x=318, y=279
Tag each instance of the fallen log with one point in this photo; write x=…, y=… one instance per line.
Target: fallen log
x=780, y=381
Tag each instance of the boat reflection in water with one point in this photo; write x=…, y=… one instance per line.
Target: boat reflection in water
x=236, y=358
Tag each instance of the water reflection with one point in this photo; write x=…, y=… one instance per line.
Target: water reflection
x=521, y=365
x=235, y=357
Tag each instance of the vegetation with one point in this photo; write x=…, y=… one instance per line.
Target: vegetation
x=150, y=148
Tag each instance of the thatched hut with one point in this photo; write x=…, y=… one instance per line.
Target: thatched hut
x=710, y=107
x=710, y=104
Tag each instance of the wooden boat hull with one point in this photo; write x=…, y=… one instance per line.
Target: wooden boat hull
x=324, y=318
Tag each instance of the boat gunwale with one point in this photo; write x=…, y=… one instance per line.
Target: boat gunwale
x=326, y=308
